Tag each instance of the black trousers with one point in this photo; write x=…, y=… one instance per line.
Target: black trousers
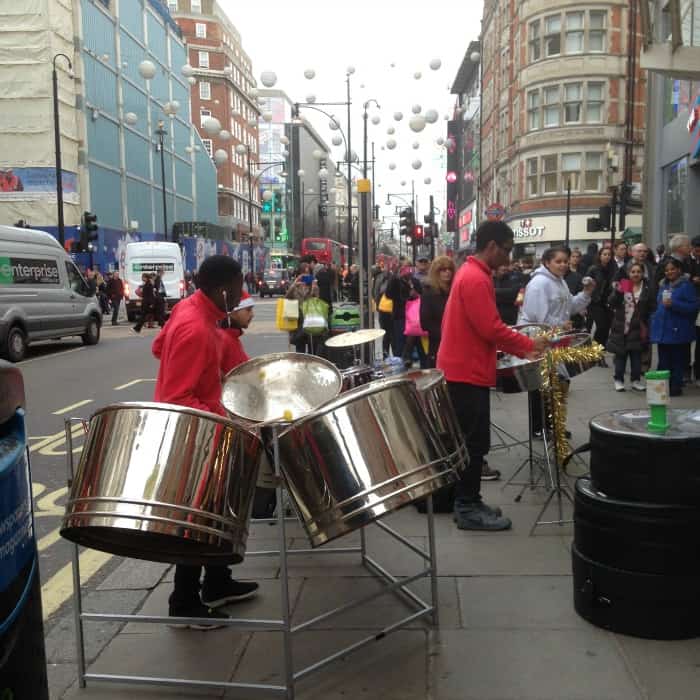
x=472, y=405
x=115, y=309
x=603, y=319
x=187, y=583
x=387, y=325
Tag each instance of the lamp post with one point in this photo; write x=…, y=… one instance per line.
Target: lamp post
x=57, y=142
x=364, y=138
x=161, y=133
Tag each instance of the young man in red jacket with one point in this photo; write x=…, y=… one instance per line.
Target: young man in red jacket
x=472, y=332
x=191, y=367
x=230, y=331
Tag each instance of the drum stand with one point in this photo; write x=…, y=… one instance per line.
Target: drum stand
x=392, y=584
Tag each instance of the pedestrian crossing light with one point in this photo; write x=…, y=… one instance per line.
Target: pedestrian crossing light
x=88, y=230
x=406, y=222
x=418, y=232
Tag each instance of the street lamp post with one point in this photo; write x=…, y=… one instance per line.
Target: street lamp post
x=161, y=133
x=57, y=141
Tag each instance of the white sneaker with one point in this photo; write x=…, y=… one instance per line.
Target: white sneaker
x=639, y=385
x=619, y=386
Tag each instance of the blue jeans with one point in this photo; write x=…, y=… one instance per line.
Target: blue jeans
x=635, y=365
x=673, y=357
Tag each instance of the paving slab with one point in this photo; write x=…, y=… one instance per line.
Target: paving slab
x=61, y=677
x=134, y=574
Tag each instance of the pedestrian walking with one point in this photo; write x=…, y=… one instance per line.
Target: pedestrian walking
x=115, y=293
x=603, y=273
x=145, y=291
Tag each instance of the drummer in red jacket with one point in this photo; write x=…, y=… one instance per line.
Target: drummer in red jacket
x=191, y=368
x=472, y=332
x=231, y=330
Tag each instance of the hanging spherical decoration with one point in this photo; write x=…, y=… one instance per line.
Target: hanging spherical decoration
x=220, y=156
x=260, y=100
x=253, y=92
x=435, y=64
x=192, y=80
x=393, y=65
x=323, y=173
x=284, y=140
x=318, y=154
x=403, y=183
x=415, y=145
x=309, y=73
x=187, y=70
x=310, y=99
x=301, y=172
x=267, y=195
x=376, y=119
x=446, y=117
x=416, y=109
x=188, y=149
x=252, y=123
x=241, y=149
x=285, y=153
x=416, y=165
x=431, y=116
x=130, y=118
x=362, y=86
x=350, y=70
x=353, y=157
x=392, y=166
x=268, y=78
x=333, y=125
x=440, y=141
x=267, y=116
x=337, y=140
x=225, y=135
x=417, y=75
x=398, y=116
x=212, y=126
x=391, y=131
x=147, y=69
x=391, y=144
x=427, y=180
x=417, y=123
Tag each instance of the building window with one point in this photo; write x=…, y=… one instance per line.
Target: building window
x=573, y=101
x=172, y=5
x=676, y=181
x=204, y=90
x=204, y=59
x=550, y=177
x=574, y=32
x=196, y=6
x=535, y=41
x=203, y=115
x=207, y=146
x=533, y=110
x=594, y=172
x=571, y=171
x=551, y=107
x=503, y=130
x=516, y=117
x=532, y=177
x=505, y=68
x=200, y=30
x=552, y=36
x=594, y=102
x=597, y=20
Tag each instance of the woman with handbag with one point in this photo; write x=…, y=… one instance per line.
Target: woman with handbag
x=433, y=302
x=401, y=288
x=631, y=301
x=385, y=308
x=301, y=289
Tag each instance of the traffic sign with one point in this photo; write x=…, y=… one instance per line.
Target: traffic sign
x=495, y=212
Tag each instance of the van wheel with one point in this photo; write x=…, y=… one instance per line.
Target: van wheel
x=15, y=345
x=92, y=332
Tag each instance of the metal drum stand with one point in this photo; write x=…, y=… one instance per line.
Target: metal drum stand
x=392, y=584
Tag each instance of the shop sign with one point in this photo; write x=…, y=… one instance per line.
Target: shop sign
x=527, y=229
x=694, y=128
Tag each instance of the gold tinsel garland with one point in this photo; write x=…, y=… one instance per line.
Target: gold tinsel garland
x=554, y=393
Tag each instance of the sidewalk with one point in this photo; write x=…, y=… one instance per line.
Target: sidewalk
x=508, y=627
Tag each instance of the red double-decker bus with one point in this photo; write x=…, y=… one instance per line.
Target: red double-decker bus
x=325, y=250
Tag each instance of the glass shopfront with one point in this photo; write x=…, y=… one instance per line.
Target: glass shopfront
x=676, y=199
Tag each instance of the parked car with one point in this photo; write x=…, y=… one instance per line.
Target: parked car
x=42, y=293
x=274, y=282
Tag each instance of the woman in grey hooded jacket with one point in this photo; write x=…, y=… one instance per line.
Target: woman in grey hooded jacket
x=549, y=301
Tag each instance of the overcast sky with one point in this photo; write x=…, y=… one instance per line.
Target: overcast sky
x=289, y=37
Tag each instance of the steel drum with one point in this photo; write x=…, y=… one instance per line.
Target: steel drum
x=437, y=405
x=576, y=340
x=279, y=387
x=359, y=375
x=515, y=375
x=361, y=456
x=164, y=483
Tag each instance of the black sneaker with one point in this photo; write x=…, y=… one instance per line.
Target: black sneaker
x=488, y=474
x=480, y=518
x=230, y=591
x=495, y=510
x=197, y=610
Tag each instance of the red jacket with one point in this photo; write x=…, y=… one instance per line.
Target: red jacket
x=232, y=351
x=190, y=352
x=472, y=329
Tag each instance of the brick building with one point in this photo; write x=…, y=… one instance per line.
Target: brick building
x=557, y=110
x=224, y=89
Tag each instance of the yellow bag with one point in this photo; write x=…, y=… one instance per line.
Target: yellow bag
x=386, y=305
x=283, y=323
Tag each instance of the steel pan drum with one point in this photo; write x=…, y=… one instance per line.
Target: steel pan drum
x=437, y=405
x=164, y=483
x=576, y=340
x=279, y=387
x=360, y=457
x=515, y=375
x=359, y=375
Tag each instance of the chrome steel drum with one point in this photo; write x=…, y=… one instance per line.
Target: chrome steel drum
x=164, y=483
x=438, y=408
x=356, y=376
x=279, y=387
x=515, y=375
x=360, y=457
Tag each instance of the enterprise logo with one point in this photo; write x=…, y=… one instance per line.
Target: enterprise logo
x=28, y=271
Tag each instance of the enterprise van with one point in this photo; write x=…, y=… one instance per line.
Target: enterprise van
x=152, y=257
x=42, y=293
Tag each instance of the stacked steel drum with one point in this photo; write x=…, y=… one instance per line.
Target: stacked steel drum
x=636, y=551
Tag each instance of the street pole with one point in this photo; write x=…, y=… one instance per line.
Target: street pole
x=414, y=245
x=349, y=159
x=160, y=131
x=432, y=228
x=568, y=212
x=250, y=213
x=613, y=215
x=57, y=141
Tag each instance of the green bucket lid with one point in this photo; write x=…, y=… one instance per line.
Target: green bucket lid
x=658, y=374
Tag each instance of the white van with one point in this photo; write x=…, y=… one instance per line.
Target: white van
x=42, y=293
x=152, y=257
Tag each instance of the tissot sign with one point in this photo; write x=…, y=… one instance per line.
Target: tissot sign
x=527, y=229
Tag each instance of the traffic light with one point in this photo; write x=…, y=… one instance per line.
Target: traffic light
x=604, y=216
x=593, y=225
x=418, y=232
x=406, y=221
x=277, y=199
x=88, y=230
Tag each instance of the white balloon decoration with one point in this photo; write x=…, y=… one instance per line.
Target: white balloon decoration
x=309, y=73
x=337, y=140
x=391, y=130
x=253, y=92
x=391, y=144
x=241, y=149
x=416, y=145
x=268, y=78
x=351, y=70
x=431, y=116
x=435, y=64
x=416, y=109
x=192, y=80
x=267, y=195
x=318, y=153
x=416, y=165
x=130, y=118
x=392, y=166
x=417, y=123
x=323, y=173
x=212, y=126
x=147, y=69
x=188, y=149
x=301, y=172
x=427, y=180
x=417, y=75
x=225, y=135
x=310, y=99
x=354, y=158
x=252, y=123
x=440, y=141
x=398, y=116
x=267, y=116
x=376, y=119
x=187, y=70
x=220, y=156
x=403, y=183
x=362, y=86
x=284, y=140
x=333, y=125
x=393, y=65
